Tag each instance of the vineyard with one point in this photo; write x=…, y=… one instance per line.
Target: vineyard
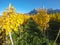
x=25, y=29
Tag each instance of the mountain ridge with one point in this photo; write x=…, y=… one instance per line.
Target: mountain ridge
x=49, y=11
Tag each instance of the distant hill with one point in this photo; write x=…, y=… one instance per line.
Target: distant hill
x=35, y=11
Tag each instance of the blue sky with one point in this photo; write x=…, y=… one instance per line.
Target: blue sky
x=24, y=6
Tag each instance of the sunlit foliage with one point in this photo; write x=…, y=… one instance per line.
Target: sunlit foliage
x=12, y=21
x=42, y=18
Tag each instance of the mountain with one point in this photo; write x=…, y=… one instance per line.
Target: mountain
x=35, y=11
x=53, y=11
